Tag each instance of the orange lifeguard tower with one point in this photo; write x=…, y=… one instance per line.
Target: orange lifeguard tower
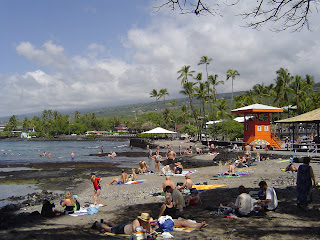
x=257, y=126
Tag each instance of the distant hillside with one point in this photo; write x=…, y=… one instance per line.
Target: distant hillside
x=123, y=110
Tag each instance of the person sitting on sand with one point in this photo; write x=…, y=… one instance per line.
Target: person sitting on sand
x=178, y=168
x=143, y=167
x=123, y=178
x=97, y=188
x=157, y=158
x=194, y=198
x=244, y=203
x=68, y=203
x=126, y=228
x=199, y=151
x=133, y=175
x=177, y=198
x=187, y=183
x=167, y=182
x=269, y=202
x=167, y=209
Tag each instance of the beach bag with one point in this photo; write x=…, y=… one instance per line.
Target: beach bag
x=46, y=209
x=166, y=223
x=93, y=210
x=77, y=206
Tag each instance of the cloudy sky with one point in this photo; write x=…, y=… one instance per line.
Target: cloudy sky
x=89, y=53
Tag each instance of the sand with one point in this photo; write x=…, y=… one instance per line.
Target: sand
x=122, y=203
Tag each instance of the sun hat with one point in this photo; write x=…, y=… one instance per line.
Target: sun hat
x=145, y=217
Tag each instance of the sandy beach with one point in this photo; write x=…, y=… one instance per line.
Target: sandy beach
x=122, y=203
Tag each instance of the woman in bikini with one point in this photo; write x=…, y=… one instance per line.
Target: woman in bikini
x=157, y=159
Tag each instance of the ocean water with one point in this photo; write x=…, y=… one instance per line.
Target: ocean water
x=24, y=152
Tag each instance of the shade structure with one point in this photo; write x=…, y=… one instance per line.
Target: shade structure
x=160, y=130
x=313, y=116
x=257, y=108
x=259, y=142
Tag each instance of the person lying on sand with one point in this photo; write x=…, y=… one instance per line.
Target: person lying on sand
x=167, y=209
x=123, y=178
x=291, y=168
x=126, y=228
x=244, y=203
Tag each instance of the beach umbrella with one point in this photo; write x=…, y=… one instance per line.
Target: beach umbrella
x=259, y=142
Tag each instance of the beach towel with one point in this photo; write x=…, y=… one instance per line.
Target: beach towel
x=136, y=182
x=184, y=173
x=119, y=236
x=183, y=229
x=208, y=187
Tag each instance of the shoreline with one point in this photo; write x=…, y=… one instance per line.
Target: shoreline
x=123, y=203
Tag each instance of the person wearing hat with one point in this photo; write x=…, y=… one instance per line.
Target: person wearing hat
x=194, y=199
x=127, y=228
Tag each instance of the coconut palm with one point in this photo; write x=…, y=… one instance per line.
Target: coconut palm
x=206, y=61
x=232, y=74
x=188, y=89
x=162, y=94
x=184, y=74
x=260, y=91
x=214, y=82
x=283, y=89
x=184, y=113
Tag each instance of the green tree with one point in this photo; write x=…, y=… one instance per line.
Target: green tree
x=232, y=74
x=162, y=94
x=185, y=72
x=205, y=61
x=12, y=124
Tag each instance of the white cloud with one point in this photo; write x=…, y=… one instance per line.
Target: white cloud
x=156, y=53
x=48, y=55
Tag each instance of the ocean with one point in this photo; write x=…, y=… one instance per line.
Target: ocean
x=25, y=152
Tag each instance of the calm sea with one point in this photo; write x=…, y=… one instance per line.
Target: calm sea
x=24, y=152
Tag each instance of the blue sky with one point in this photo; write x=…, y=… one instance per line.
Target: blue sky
x=77, y=54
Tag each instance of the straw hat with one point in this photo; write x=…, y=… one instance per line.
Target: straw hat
x=145, y=217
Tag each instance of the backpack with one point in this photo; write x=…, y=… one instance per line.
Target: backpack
x=46, y=210
x=77, y=206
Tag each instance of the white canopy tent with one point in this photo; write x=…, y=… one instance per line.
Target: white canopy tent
x=160, y=130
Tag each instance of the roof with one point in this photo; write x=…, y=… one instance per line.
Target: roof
x=313, y=116
x=159, y=130
x=256, y=108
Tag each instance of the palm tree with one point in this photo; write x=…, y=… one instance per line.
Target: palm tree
x=205, y=60
x=184, y=74
x=162, y=94
x=260, y=91
x=283, y=89
x=188, y=89
x=154, y=93
x=298, y=86
x=214, y=82
x=184, y=113
x=232, y=74
x=201, y=93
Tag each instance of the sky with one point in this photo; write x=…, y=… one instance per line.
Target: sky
x=75, y=54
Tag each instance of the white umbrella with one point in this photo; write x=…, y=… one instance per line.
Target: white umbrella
x=159, y=130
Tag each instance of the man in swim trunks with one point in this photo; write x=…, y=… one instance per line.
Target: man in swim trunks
x=127, y=228
x=167, y=182
x=170, y=155
x=123, y=178
x=97, y=188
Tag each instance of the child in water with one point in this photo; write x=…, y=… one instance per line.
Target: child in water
x=97, y=188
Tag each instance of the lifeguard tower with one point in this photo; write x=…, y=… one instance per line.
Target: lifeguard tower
x=257, y=124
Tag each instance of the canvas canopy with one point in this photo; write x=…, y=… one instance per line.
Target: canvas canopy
x=313, y=116
x=160, y=130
